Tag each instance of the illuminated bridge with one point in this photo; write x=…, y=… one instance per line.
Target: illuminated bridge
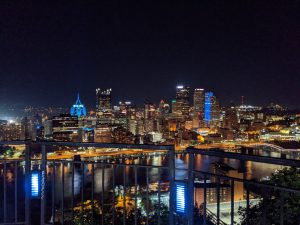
x=256, y=145
x=110, y=191
x=270, y=146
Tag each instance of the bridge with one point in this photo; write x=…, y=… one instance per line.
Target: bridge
x=269, y=145
x=232, y=146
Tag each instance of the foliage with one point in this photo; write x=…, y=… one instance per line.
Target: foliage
x=158, y=213
x=7, y=152
x=84, y=214
x=275, y=202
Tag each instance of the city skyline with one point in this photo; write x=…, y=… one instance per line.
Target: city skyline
x=91, y=103
x=235, y=50
x=149, y=112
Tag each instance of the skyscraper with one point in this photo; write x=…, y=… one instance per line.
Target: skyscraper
x=103, y=100
x=231, y=119
x=65, y=128
x=211, y=110
x=182, y=104
x=104, y=106
x=78, y=109
x=199, y=97
x=26, y=127
x=215, y=113
x=208, y=108
x=10, y=132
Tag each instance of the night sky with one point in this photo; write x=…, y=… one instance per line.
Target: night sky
x=143, y=49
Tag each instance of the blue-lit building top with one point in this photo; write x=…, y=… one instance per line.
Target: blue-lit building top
x=78, y=109
x=208, y=107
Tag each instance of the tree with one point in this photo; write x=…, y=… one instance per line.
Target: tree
x=274, y=202
x=160, y=213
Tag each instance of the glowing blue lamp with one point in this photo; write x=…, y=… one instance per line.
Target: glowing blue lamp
x=35, y=184
x=181, y=193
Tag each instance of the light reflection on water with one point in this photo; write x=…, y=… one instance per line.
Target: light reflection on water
x=202, y=163
x=246, y=170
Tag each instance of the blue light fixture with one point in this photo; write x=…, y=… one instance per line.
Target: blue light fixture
x=181, y=193
x=35, y=184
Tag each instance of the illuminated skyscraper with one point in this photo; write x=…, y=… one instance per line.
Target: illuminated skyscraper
x=149, y=110
x=78, y=109
x=211, y=110
x=182, y=104
x=26, y=129
x=104, y=106
x=208, y=108
x=199, y=97
x=103, y=100
x=231, y=119
x=215, y=113
x=10, y=132
x=65, y=128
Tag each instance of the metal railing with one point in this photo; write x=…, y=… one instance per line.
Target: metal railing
x=250, y=186
x=107, y=191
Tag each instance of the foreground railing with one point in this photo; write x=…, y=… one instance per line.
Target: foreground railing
x=113, y=191
x=249, y=194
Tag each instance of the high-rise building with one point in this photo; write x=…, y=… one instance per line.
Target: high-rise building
x=149, y=110
x=37, y=128
x=10, y=132
x=124, y=108
x=208, y=108
x=65, y=128
x=199, y=98
x=231, y=119
x=78, y=109
x=48, y=130
x=104, y=106
x=132, y=126
x=26, y=127
x=103, y=134
x=215, y=112
x=182, y=104
x=212, y=112
x=104, y=102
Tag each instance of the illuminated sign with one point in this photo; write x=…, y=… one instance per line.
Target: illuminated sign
x=181, y=192
x=35, y=184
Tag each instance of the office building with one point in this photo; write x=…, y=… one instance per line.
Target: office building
x=65, y=128
x=199, y=98
x=208, y=108
x=48, y=130
x=104, y=106
x=26, y=126
x=10, y=132
x=182, y=104
x=78, y=109
x=104, y=100
x=231, y=118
